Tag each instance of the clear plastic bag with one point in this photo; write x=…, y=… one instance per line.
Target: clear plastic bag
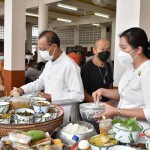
x=19, y=136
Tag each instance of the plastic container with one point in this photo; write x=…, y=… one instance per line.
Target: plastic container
x=20, y=102
x=19, y=136
x=104, y=126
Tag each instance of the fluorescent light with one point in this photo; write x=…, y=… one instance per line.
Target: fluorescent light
x=31, y=14
x=65, y=20
x=96, y=24
x=101, y=15
x=67, y=6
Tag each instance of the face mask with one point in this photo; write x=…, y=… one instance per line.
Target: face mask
x=125, y=59
x=1, y=57
x=46, y=56
x=103, y=56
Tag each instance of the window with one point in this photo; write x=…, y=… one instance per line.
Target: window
x=1, y=32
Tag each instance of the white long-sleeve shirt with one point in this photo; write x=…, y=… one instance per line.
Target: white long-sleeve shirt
x=61, y=79
x=134, y=89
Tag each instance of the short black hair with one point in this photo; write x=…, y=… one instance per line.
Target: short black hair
x=52, y=37
x=137, y=37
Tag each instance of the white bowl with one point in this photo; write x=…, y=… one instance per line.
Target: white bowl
x=88, y=110
x=125, y=136
x=97, y=147
x=19, y=119
x=41, y=109
x=38, y=99
x=147, y=137
x=120, y=147
x=4, y=106
x=45, y=117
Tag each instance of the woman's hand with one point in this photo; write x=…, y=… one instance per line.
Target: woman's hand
x=97, y=95
x=110, y=112
x=45, y=95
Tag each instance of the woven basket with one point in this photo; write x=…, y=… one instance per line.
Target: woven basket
x=46, y=126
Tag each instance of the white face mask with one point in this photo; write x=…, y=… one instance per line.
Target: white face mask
x=45, y=54
x=125, y=59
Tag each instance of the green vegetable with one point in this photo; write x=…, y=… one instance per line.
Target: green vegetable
x=36, y=135
x=130, y=123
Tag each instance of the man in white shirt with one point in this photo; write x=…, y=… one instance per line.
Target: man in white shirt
x=60, y=79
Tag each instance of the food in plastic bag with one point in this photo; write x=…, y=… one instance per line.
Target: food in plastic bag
x=19, y=136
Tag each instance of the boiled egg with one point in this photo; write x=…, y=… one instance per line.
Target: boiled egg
x=83, y=144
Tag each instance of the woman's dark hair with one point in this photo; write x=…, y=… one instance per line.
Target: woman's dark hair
x=137, y=37
x=52, y=37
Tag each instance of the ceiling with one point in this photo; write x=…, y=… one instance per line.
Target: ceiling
x=84, y=14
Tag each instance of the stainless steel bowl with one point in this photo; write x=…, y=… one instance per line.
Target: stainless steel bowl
x=88, y=110
x=68, y=138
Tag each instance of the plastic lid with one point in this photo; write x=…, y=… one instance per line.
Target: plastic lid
x=76, y=138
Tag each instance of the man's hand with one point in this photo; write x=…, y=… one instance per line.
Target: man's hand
x=45, y=95
x=16, y=92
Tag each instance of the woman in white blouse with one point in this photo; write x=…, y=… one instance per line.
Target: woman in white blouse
x=133, y=92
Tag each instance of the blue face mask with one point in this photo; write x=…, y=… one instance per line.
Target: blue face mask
x=1, y=57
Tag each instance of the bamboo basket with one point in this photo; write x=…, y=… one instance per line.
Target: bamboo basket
x=46, y=126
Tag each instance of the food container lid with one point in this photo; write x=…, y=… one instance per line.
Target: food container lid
x=76, y=138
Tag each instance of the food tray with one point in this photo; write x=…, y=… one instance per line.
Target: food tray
x=46, y=126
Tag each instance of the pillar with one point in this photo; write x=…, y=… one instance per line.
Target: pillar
x=129, y=14
x=42, y=20
x=29, y=37
x=14, y=45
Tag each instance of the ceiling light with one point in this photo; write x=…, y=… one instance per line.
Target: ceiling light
x=101, y=15
x=67, y=6
x=65, y=20
x=96, y=24
x=31, y=14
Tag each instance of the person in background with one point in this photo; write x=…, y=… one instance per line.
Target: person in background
x=96, y=73
x=31, y=74
x=90, y=55
x=133, y=91
x=29, y=55
x=35, y=56
x=75, y=56
x=60, y=79
x=40, y=66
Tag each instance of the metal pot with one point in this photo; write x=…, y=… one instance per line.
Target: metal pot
x=71, y=139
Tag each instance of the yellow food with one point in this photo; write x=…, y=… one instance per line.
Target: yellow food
x=102, y=140
x=58, y=142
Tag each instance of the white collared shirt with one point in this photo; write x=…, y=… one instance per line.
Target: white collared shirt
x=61, y=79
x=134, y=89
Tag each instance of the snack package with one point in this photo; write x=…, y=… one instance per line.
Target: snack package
x=20, y=146
x=19, y=136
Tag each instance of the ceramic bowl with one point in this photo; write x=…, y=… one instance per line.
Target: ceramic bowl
x=38, y=98
x=40, y=108
x=4, y=106
x=88, y=110
x=4, y=120
x=120, y=147
x=125, y=136
x=147, y=137
x=70, y=138
x=21, y=118
x=95, y=146
x=45, y=117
